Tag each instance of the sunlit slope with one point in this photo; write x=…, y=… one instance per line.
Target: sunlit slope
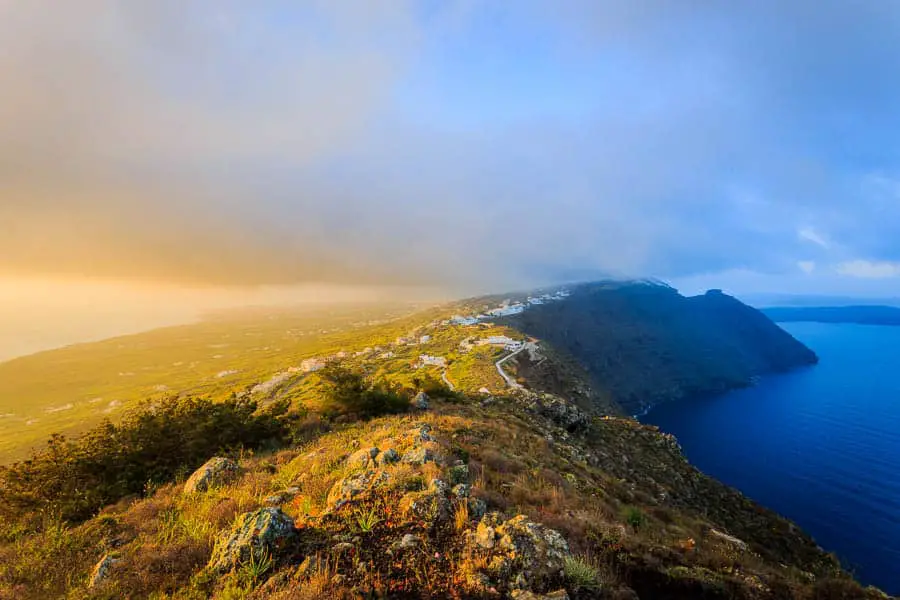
x=69, y=389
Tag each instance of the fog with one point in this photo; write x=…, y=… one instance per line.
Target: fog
x=462, y=145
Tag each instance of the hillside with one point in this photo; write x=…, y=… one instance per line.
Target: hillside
x=862, y=315
x=643, y=343
x=449, y=453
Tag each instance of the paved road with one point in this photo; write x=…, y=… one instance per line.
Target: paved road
x=509, y=380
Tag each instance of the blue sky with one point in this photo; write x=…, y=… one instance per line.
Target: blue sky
x=470, y=143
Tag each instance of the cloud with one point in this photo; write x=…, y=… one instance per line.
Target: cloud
x=467, y=142
x=807, y=266
x=811, y=235
x=869, y=270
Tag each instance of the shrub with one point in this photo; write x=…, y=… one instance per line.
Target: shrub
x=581, y=574
x=75, y=478
x=635, y=517
x=351, y=393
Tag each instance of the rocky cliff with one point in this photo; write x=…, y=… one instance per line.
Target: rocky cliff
x=644, y=343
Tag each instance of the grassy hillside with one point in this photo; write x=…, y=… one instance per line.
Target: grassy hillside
x=345, y=482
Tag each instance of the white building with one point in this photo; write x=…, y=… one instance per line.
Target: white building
x=434, y=361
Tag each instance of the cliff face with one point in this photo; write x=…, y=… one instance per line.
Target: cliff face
x=643, y=344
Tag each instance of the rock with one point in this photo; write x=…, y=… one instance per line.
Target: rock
x=215, y=471
x=101, y=569
x=282, y=497
x=388, y=457
x=462, y=490
x=354, y=486
x=420, y=434
x=477, y=508
x=410, y=541
x=361, y=458
x=458, y=474
x=419, y=455
x=563, y=413
x=517, y=552
x=741, y=544
x=264, y=531
x=526, y=595
x=429, y=507
x=421, y=401
x=338, y=579
x=343, y=547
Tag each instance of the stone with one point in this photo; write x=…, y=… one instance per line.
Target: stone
x=102, y=568
x=421, y=401
x=462, y=490
x=361, y=458
x=282, y=497
x=458, y=474
x=420, y=434
x=266, y=531
x=410, y=541
x=215, y=471
x=388, y=457
x=562, y=412
x=477, y=508
x=517, y=552
x=343, y=547
x=419, y=455
x=356, y=485
x=428, y=507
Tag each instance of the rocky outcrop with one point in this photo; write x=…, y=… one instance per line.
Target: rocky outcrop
x=562, y=412
x=264, y=532
x=216, y=471
x=421, y=401
x=355, y=486
x=516, y=553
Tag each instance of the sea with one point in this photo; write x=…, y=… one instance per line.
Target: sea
x=820, y=445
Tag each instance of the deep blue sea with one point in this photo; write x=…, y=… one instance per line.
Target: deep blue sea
x=820, y=445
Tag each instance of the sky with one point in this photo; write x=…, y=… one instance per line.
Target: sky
x=466, y=144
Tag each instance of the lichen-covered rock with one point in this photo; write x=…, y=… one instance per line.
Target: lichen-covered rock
x=517, y=552
x=462, y=490
x=410, y=541
x=265, y=531
x=431, y=506
x=361, y=458
x=477, y=508
x=421, y=401
x=282, y=497
x=354, y=486
x=424, y=453
x=388, y=457
x=101, y=569
x=420, y=433
x=215, y=471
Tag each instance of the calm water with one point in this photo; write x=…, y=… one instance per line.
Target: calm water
x=820, y=445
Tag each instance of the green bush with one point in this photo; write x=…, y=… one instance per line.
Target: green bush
x=635, y=517
x=351, y=393
x=75, y=478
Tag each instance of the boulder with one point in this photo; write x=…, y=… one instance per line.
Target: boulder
x=420, y=433
x=282, y=497
x=101, y=569
x=517, y=552
x=462, y=490
x=266, y=531
x=563, y=413
x=477, y=508
x=361, y=458
x=419, y=455
x=410, y=541
x=354, y=486
x=421, y=401
x=388, y=457
x=429, y=507
x=215, y=471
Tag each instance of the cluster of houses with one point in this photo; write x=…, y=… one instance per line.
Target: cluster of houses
x=508, y=308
